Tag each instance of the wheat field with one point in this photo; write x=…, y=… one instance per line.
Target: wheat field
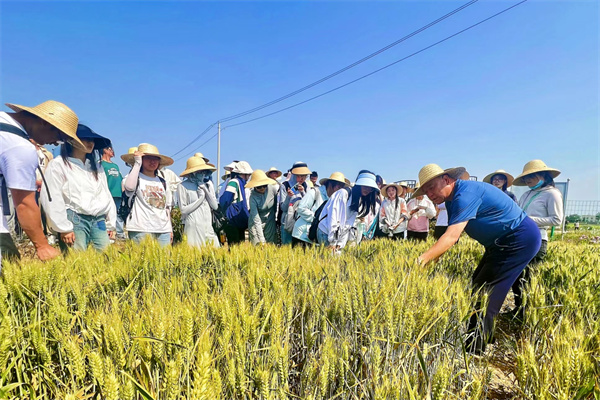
x=280, y=323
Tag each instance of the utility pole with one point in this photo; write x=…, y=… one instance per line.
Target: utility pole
x=218, y=155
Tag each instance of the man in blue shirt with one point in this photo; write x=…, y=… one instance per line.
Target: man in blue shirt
x=511, y=239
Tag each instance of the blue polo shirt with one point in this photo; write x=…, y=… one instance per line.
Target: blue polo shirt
x=490, y=212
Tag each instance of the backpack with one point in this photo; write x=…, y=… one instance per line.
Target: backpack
x=314, y=225
x=127, y=201
x=237, y=214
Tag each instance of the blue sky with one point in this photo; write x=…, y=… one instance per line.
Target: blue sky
x=524, y=85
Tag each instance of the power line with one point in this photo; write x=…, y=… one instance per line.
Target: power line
x=203, y=143
x=380, y=69
x=354, y=64
x=195, y=139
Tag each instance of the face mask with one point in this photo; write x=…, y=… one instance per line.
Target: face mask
x=538, y=185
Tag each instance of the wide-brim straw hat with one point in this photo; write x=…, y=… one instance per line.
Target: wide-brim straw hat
x=195, y=164
x=148, y=150
x=404, y=185
x=201, y=156
x=300, y=168
x=130, y=151
x=260, y=178
x=242, y=167
x=533, y=167
x=509, y=178
x=273, y=169
x=367, y=179
x=58, y=115
x=400, y=191
x=337, y=177
x=432, y=171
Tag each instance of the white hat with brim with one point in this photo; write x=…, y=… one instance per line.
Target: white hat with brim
x=195, y=164
x=432, y=171
x=337, y=177
x=300, y=168
x=400, y=190
x=260, y=178
x=509, y=178
x=242, y=167
x=148, y=150
x=273, y=169
x=229, y=167
x=367, y=179
x=56, y=114
x=533, y=167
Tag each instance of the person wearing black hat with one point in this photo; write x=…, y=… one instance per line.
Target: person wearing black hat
x=77, y=202
x=314, y=178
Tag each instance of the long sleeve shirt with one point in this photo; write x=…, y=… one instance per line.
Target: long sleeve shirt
x=74, y=187
x=393, y=217
x=261, y=223
x=338, y=219
x=306, y=211
x=419, y=221
x=544, y=206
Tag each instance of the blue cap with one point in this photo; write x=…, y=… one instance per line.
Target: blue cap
x=367, y=179
x=86, y=133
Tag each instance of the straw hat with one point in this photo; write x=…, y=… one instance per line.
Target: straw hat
x=404, y=185
x=300, y=168
x=197, y=164
x=148, y=150
x=130, y=151
x=367, y=179
x=226, y=176
x=201, y=156
x=509, y=177
x=432, y=171
x=532, y=167
x=260, y=178
x=58, y=115
x=273, y=169
x=337, y=177
x=400, y=191
x=242, y=167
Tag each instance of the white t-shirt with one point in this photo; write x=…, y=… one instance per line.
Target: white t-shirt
x=442, y=218
x=18, y=161
x=150, y=212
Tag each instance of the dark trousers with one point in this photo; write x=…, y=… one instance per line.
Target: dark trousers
x=420, y=236
x=234, y=235
x=523, y=279
x=438, y=231
x=499, y=268
x=297, y=242
x=395, y=236
x=8, y=248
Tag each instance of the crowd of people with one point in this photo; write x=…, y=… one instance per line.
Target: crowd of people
x=81, y=197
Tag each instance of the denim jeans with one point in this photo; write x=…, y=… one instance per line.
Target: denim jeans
x=164, y=239
x=322, y=238
x=119, y=222
x=88, y=229
x=286, y=237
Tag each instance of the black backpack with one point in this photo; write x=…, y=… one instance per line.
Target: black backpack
x=127, y=201
x=314, y=225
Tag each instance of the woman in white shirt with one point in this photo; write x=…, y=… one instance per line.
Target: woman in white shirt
x=150, y=214
x=340, y=212
x=543, y=203
x=197, y=200
x=393, y=214
x=80, y=207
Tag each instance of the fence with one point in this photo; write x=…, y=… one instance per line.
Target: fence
x=586, y=209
